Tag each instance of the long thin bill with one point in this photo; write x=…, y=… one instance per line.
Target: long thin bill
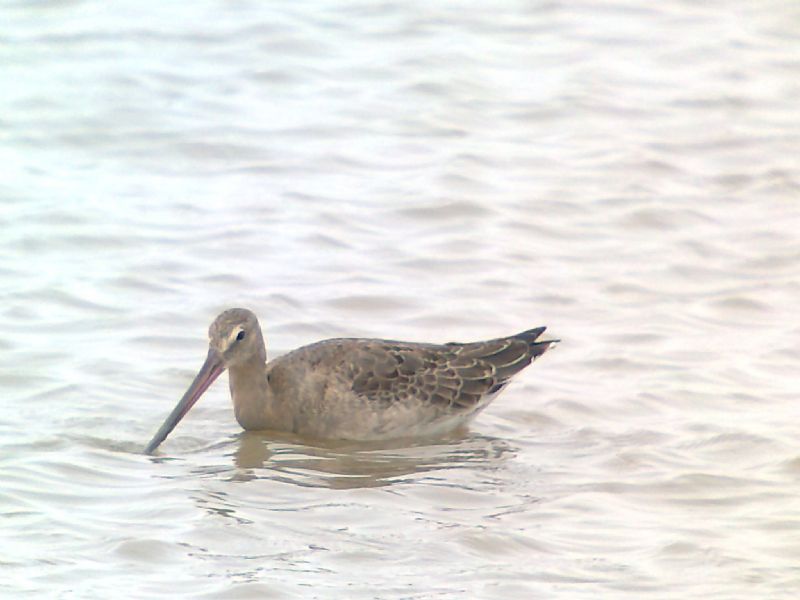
x=210, y=370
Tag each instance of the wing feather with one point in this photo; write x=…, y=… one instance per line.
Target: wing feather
x=452, y=375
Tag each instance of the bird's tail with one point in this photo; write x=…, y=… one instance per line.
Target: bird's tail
x=537, y=347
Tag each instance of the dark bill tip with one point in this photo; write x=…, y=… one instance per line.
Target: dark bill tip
x=210, y=370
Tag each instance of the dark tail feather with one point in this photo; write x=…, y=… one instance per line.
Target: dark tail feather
x=537, y=348
x=507, y=369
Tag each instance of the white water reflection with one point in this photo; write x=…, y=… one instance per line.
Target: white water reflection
x=623, y=173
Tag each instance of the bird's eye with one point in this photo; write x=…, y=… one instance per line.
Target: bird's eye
x=240, y=336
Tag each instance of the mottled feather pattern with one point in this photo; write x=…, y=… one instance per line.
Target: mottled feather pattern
x=455, y=375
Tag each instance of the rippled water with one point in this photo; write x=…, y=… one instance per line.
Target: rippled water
x=624, y=172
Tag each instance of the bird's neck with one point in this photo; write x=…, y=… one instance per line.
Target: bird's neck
x=248, y=382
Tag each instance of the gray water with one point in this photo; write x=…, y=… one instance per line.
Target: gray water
x=624, y=172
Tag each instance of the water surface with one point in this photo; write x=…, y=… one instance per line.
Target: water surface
x=625, y=172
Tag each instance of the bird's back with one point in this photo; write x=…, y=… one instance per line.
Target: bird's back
x=374, y=389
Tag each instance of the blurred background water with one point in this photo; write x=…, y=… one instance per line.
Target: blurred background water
x=625, y=172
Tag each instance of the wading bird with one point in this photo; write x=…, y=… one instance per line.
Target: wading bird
x=351, y=388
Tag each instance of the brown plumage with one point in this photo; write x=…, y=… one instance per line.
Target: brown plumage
x=350, y=388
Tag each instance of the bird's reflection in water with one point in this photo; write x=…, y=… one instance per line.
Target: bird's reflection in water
x=348, y=465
